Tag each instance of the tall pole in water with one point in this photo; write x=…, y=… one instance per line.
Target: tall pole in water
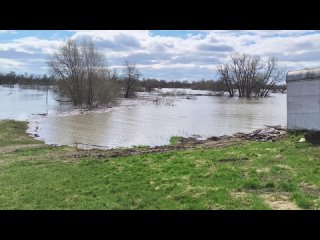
x=47, y=95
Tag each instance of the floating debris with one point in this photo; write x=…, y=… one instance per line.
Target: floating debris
x=268, y=134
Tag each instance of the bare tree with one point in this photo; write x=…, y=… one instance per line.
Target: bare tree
x=250, y=76
x=93, y=65
x=82, y=72
x=223, y=71
x=272, y=75
x=67, y=65
x=106, y=88
x=131, y=78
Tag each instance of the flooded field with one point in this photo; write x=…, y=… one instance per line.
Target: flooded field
x=151, y=119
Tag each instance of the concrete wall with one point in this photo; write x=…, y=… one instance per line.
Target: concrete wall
x=303, y=99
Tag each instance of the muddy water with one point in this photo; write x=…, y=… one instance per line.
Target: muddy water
x=148, y=122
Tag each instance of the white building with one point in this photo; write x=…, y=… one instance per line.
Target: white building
x=303, y=99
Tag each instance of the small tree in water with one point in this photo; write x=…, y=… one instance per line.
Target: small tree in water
x=82, y=73
x=131, y=77
x=250, y=76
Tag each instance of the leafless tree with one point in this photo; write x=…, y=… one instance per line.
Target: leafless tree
x=93, y=65
x=131, y=78
x=106, y=88
x=223, y=71
x=250, y=75
x=67, y=65
x=272, y=75
x=82, y=72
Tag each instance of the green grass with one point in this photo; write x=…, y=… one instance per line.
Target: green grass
x=175, y=139
x=50, y=178
x=13, y=133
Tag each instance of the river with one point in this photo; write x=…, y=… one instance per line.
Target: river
x=148, y=120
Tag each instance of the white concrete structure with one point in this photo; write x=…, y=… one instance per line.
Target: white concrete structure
x=303, y=99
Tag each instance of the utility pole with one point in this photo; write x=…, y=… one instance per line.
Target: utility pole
x=47, y=97
x=47, y=93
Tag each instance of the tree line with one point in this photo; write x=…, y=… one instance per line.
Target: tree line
x=146, y=84
x=79, y=64
x=79, y=72
x=149, y=85
x=27, y=80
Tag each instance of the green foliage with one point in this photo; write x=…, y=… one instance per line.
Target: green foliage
x=175, y=139
x=302, y=200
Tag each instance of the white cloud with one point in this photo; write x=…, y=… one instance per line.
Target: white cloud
x=7, y=64
x=31, y=45
x=176, y=57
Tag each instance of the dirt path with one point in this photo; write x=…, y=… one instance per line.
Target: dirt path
x=279, y=202
x=112, y=153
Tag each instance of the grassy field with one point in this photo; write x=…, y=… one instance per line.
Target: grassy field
x=254, y=175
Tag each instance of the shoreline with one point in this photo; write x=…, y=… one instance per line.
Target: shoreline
x=265, y=169
x=269, y=133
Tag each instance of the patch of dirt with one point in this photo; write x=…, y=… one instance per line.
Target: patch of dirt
x=279, y=201
x=263, y=170
x=233, y=159
x=112, y=153
x=182, y=144
x=283, y=166
x=215, y=207
x=238, y=194
x=316, y=203
x=310, y=189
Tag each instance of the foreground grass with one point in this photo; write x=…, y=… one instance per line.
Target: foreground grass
x=256, y=175
x=13, y=133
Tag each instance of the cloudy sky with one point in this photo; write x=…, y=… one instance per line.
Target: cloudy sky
x=163, y=54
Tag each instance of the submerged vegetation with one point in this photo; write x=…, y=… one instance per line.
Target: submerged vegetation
x=82, y=74
x=250, y=76
x=283, y=174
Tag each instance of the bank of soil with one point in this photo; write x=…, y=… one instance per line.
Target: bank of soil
x=271, y=133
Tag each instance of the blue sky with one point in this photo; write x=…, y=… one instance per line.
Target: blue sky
x=163, y=54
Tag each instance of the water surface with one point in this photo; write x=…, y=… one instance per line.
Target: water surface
x=144, y=122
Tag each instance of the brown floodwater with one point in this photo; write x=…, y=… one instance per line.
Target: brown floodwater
x=144, y=121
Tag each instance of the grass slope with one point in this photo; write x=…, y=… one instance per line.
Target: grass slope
x=257, y=175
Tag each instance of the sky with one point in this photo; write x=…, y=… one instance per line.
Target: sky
x=163, y=54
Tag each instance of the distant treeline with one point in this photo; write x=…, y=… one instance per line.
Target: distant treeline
x=210, y=85
x=27, y=80
x=150, y=84
x=40, y=81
